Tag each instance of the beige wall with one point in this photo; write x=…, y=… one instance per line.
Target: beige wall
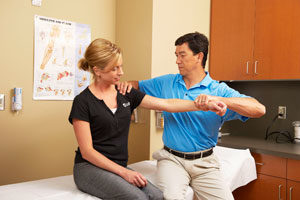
x=39, y=142
x=172, y=19
x=134, y=36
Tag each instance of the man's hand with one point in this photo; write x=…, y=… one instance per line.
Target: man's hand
x=210, y=103
x=124, y=87
x=218, y=107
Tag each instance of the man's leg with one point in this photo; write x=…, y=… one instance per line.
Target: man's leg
x=172, y=178
x=207, y=181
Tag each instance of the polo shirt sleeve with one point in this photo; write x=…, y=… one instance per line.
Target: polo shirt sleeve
x=226, y=91
x=135, y=97
x=79, y=110
x=153, y=87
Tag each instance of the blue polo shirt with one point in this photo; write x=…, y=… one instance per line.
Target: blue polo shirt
x=190, y=131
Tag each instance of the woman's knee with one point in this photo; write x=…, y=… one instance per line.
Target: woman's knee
x=157, y=195
x=153, y=192
x=137, y=194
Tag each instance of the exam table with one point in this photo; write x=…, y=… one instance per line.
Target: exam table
x=237, y=168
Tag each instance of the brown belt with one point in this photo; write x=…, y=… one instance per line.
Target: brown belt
x=189, y=156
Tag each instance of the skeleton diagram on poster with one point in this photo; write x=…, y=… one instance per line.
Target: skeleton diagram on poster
x=59, y=44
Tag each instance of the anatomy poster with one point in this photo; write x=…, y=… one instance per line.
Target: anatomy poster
x=59, y=44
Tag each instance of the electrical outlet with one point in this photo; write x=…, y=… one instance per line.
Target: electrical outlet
x=281, y=112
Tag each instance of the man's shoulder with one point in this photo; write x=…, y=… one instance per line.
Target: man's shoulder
x=168, y=77
x=155, y=85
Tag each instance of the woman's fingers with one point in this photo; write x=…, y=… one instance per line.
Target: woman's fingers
x=140, y=182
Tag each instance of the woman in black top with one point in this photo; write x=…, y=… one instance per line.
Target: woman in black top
x=101, y=117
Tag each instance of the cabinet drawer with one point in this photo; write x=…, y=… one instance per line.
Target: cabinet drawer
x=264, y=187
x=270, y=165
x=293, y=167
x=293, y=190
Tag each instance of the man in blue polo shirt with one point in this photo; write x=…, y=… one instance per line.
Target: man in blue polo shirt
x=189, y=137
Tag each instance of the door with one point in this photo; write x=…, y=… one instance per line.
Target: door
x=277, y=41
x=231, y=39
x=293, y=190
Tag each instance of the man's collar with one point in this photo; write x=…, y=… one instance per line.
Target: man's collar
x=205, y=81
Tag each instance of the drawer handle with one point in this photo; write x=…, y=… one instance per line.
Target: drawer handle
x=279, y=193
x=261, y=164
x=291, y=189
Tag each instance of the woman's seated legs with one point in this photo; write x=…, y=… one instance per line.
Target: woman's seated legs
x=106, y=185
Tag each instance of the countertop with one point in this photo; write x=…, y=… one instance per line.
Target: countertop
x=259, y=145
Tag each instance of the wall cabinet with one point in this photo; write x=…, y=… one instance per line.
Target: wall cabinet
x=255, y=39
x=277, y=178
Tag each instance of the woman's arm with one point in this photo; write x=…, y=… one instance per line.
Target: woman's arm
x=180, y=105
x=84, y=139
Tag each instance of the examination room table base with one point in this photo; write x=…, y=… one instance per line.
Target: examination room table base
x=237, y=168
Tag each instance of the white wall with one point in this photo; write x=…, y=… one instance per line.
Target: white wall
x=172, y=19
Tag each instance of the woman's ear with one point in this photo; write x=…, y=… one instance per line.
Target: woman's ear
x=96, y=70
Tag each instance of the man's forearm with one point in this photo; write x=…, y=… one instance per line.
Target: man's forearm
x=245, y=106
x=181, y=105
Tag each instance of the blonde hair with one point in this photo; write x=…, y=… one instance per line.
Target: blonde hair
x=99, y=53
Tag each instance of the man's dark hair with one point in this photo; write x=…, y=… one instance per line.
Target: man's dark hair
x=197, y=42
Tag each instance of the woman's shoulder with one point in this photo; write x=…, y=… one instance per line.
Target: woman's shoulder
x=134, y=95
x=83, y=95
x=134, y=92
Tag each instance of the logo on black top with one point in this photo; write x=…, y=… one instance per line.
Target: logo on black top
x=126, y=104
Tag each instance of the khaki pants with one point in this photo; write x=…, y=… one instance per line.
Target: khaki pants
x=175, y=174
